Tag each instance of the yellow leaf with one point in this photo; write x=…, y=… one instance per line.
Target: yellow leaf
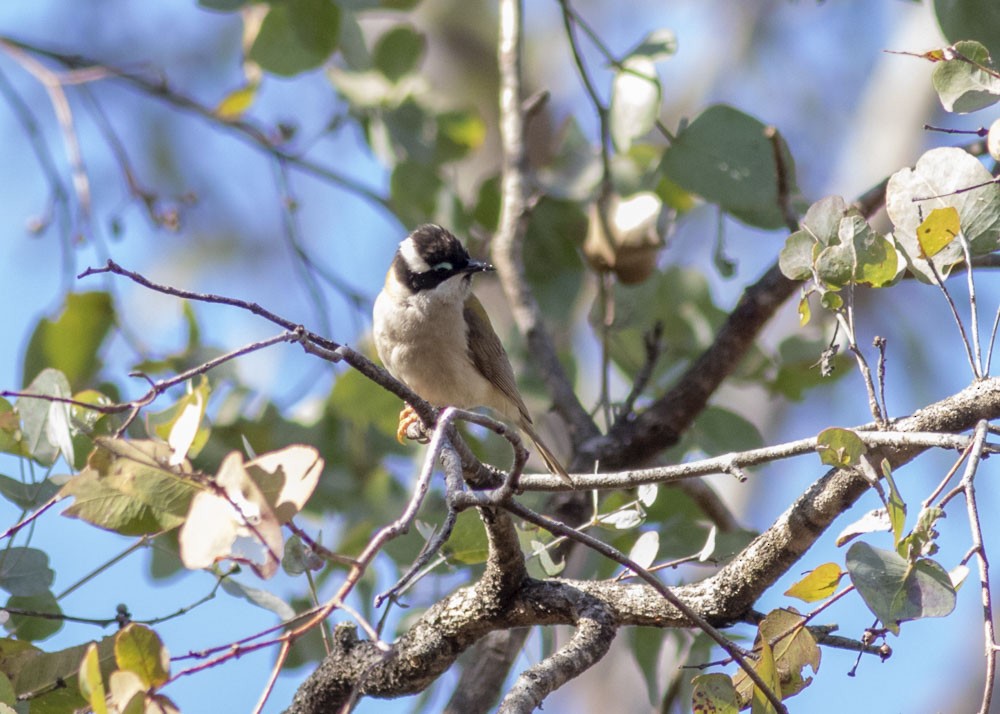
x=234, y=104
x=817, y=585
x=91, y=683
x=938, y=230
x=804, y=312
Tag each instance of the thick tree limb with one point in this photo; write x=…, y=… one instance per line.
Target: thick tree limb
x=456, y=622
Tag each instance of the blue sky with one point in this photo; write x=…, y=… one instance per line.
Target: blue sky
x=808, y=75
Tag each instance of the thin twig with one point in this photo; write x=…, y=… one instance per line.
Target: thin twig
x=958, y=320
x=507, y=248
x=978, y=544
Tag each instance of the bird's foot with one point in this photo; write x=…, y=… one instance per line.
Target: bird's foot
x=410, y=427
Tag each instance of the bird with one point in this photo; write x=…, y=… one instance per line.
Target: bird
x=433, y=334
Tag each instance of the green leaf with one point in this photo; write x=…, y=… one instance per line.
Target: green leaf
x=55, y=673
x=686, y=331
x=139, y=649
x=46, y=424
x=70, y=343
x=399, y=52
x=223, y=5
x=765, y=667
x=635, y=101
x=970, y=20
x=296, y=35
x=551, y=261
x=413, y=191
x=126, y=489
x=714, y=694
x=719, y=431
x=944, y=177
x=658, y=45
x=261, y=598
x=27, y=496
x=895, y=589
x=796, y=257
x=645, y=644
x=31, y=627
x=840, y=448
x=7, y=694
x=468, y=543
x=837, y=246
x=725, y=157
x=793, y=652
x=922, y=540
x=896, y=506
x=25, y=571
x=819, y=584
x=968, y=82
x=458, y=133
x=10, y=429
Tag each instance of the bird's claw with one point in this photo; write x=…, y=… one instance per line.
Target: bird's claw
x=410, y=427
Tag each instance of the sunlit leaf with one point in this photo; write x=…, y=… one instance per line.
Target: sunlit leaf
x=126, y=692
x=645, y=548
x=260, y=598
x=872, y=522
x=622, y=520
x=127, y=488
x=936, y=231
x=139, y=649
x=658, y=45
x=647, y=493
x=287, y=478
x=233, y=522
x=896, y=506
x=45, y=424
x=708, y=550
x=765, y=667
x=91, y=681
x=635, y=101
x=54, y=674
x=180, y=425
x=840, y=448
x=944, y=177
x=967, y=82
x=794, y=649
x=819, y=584
x=237, y=102
x=714, y=694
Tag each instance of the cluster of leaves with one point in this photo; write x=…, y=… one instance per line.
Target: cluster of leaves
x=896, y=585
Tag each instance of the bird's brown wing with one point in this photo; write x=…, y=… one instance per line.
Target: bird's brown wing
x=489, y=356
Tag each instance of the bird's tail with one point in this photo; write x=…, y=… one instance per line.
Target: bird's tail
x=551, y=462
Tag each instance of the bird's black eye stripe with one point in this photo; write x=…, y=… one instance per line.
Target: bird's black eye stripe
x=427, y=280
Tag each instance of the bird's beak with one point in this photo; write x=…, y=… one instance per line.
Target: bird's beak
x=477, y=266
